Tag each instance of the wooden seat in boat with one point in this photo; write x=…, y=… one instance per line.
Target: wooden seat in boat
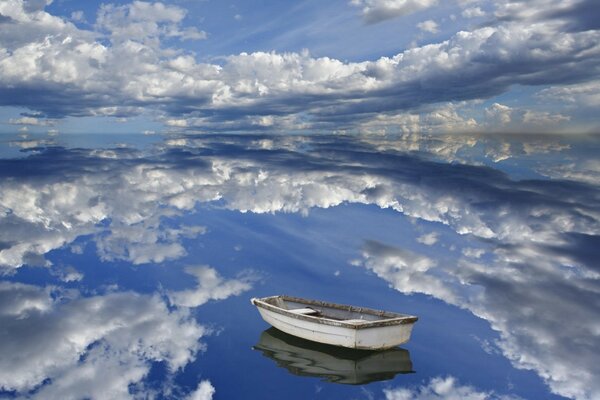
x=304, y=311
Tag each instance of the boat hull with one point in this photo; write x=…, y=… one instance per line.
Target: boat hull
x=314, y=329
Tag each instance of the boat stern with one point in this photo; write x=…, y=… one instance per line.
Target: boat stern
x=383, y=337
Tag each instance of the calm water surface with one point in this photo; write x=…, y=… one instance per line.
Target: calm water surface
x=128, y=264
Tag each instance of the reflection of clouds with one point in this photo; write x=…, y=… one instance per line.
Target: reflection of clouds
x=546, y=314
x=204, y=391
x=405, y=270
x=66, y=346
x=51, y=208
x=543, y=233
x=443, y=388
x=31, y=143
x=472, y=147
x=144, y=242
x=123, y=201
x=210, y=286
x=587, y=171
x=92, y=347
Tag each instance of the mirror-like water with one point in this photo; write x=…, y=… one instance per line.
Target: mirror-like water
x=332, y=364
x=127, y=268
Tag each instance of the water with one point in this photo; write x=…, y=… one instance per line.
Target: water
x=128, y=267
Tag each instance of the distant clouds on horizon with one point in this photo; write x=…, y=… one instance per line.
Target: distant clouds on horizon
x=461, y=66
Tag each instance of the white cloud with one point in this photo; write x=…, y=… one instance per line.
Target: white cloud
x=261, y=91
x=584, y=94
x=145, y=22
x=35, y=5
x=429, y=239
x=543, y=119
x=179, y=123
x=473, y=12
x=428, y=26
x=32, y=121
x=472, y=252
x=499, y=114
x=67, y=274
x=78, y=16
x=444, y=118
x=504, y=118
x=374, y=11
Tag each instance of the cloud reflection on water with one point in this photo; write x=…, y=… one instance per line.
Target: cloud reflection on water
x=58, y=343
x=89, y=347
x=439, y=388
x=528, y=266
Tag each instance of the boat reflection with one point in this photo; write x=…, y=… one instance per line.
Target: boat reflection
x=334, y=364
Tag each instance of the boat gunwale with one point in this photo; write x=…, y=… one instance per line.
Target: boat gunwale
x=391, y=318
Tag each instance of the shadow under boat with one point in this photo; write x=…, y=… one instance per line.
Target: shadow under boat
x=334, y=364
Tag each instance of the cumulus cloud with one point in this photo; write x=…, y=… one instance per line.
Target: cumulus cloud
x=428, y=26
x=428, y=239
x=505, y=118
x=50, y=65
x=499, y=114
x=444, y=118
x=543, y=118
x=584, y=94
x=374, y=11
x=145, y=22
x=473, y=12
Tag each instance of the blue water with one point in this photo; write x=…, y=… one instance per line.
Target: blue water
x=141, y=262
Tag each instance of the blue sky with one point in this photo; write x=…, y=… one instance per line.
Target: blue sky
x=365, y=66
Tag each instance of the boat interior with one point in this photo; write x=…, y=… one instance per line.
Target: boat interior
x=330, y=310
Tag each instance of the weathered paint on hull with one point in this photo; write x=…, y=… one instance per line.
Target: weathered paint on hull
x=376, y=338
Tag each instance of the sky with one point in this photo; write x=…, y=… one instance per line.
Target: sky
x=361, y=66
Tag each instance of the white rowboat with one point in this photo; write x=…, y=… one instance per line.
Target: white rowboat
x=336, y=324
